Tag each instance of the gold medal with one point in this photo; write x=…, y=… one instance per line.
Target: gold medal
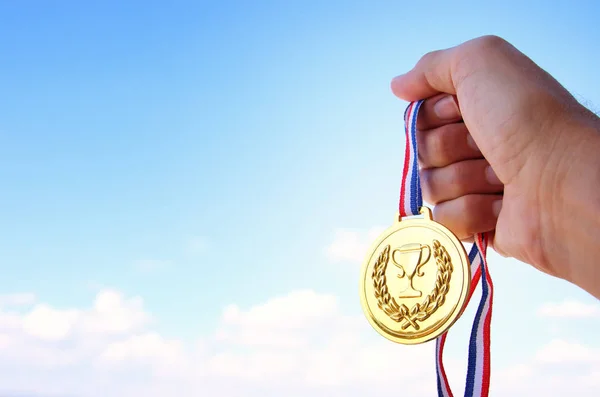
x=415, y=280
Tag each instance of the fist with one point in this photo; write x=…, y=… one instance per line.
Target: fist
x=499, y=140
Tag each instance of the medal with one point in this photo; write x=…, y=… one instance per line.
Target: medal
x=417, y=279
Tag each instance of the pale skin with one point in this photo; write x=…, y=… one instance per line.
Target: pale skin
x=505, y=149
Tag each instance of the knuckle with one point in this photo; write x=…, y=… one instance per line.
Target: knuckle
x=447, y=183
x=469, y=202
x=466, y=215
x=490, y=42
x=470, y=55
x=423, y=150
x=458, y=177
x=428, y=57
x=469, y=206
x=440, y=145
x=427, y=189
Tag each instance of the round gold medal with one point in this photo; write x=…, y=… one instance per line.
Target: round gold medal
x=415, y=280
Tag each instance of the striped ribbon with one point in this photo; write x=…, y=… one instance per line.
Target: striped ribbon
x=478, y=368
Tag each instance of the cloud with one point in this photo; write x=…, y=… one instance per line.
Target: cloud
x=280, y=322
x=301, y=339
x=18, y=299
x=47, y=323
x=570, y=309
x=558, y=368
x=296, y=310
x=304, y=339
x=564, y=352
x=144, y=347
x=350, y=245
x=111, y=313
x=301, y=343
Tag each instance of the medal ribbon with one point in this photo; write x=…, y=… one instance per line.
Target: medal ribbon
x=478, y=367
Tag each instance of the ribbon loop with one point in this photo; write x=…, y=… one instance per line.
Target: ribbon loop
x=410, y=189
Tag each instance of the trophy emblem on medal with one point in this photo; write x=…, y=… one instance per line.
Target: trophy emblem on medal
x=410, y=258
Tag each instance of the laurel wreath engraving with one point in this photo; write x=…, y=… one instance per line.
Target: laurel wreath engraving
x=420, y=311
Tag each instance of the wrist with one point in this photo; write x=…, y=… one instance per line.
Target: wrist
x=574, y=213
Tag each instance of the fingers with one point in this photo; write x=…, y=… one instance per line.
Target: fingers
x=437, y=111
x=470, y=214
x=445, y=145
x=459, y=179
x=456, y=178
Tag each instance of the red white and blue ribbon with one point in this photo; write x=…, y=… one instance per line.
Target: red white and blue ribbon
x=478, y=367
x=410, y=189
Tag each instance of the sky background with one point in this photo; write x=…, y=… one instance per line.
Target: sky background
x=189, y=190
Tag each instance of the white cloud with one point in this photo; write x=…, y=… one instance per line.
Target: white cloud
x=147, y=346
x=563, y=352
x=281, y=322
x=18, y=299
x=112, y=313
x=350, y=245
x=297, y=344
x=517, y=373
x=304, y=338
x=570, y=309
x=300, y=339
x=295, y=310
x=48, y=323
x=10, y=320
x=558, y=368
x=4, y=341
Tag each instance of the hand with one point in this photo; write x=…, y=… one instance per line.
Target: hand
x=505, y=149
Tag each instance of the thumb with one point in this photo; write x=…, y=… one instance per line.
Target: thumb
x=430, y=76
x=442, y=71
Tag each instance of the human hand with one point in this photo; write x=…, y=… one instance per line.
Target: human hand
x=509, y=152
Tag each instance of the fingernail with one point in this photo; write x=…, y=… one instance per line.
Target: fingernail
x=396, y=83
x=496, y=207
x=471, y=142
x=446, y=108
x=491, y=176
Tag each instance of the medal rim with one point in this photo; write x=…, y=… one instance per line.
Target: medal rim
x=460, y=306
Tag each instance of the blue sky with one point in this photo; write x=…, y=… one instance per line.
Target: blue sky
x=248, y=131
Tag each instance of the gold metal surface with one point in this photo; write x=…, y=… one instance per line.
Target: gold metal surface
x=414, y=280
